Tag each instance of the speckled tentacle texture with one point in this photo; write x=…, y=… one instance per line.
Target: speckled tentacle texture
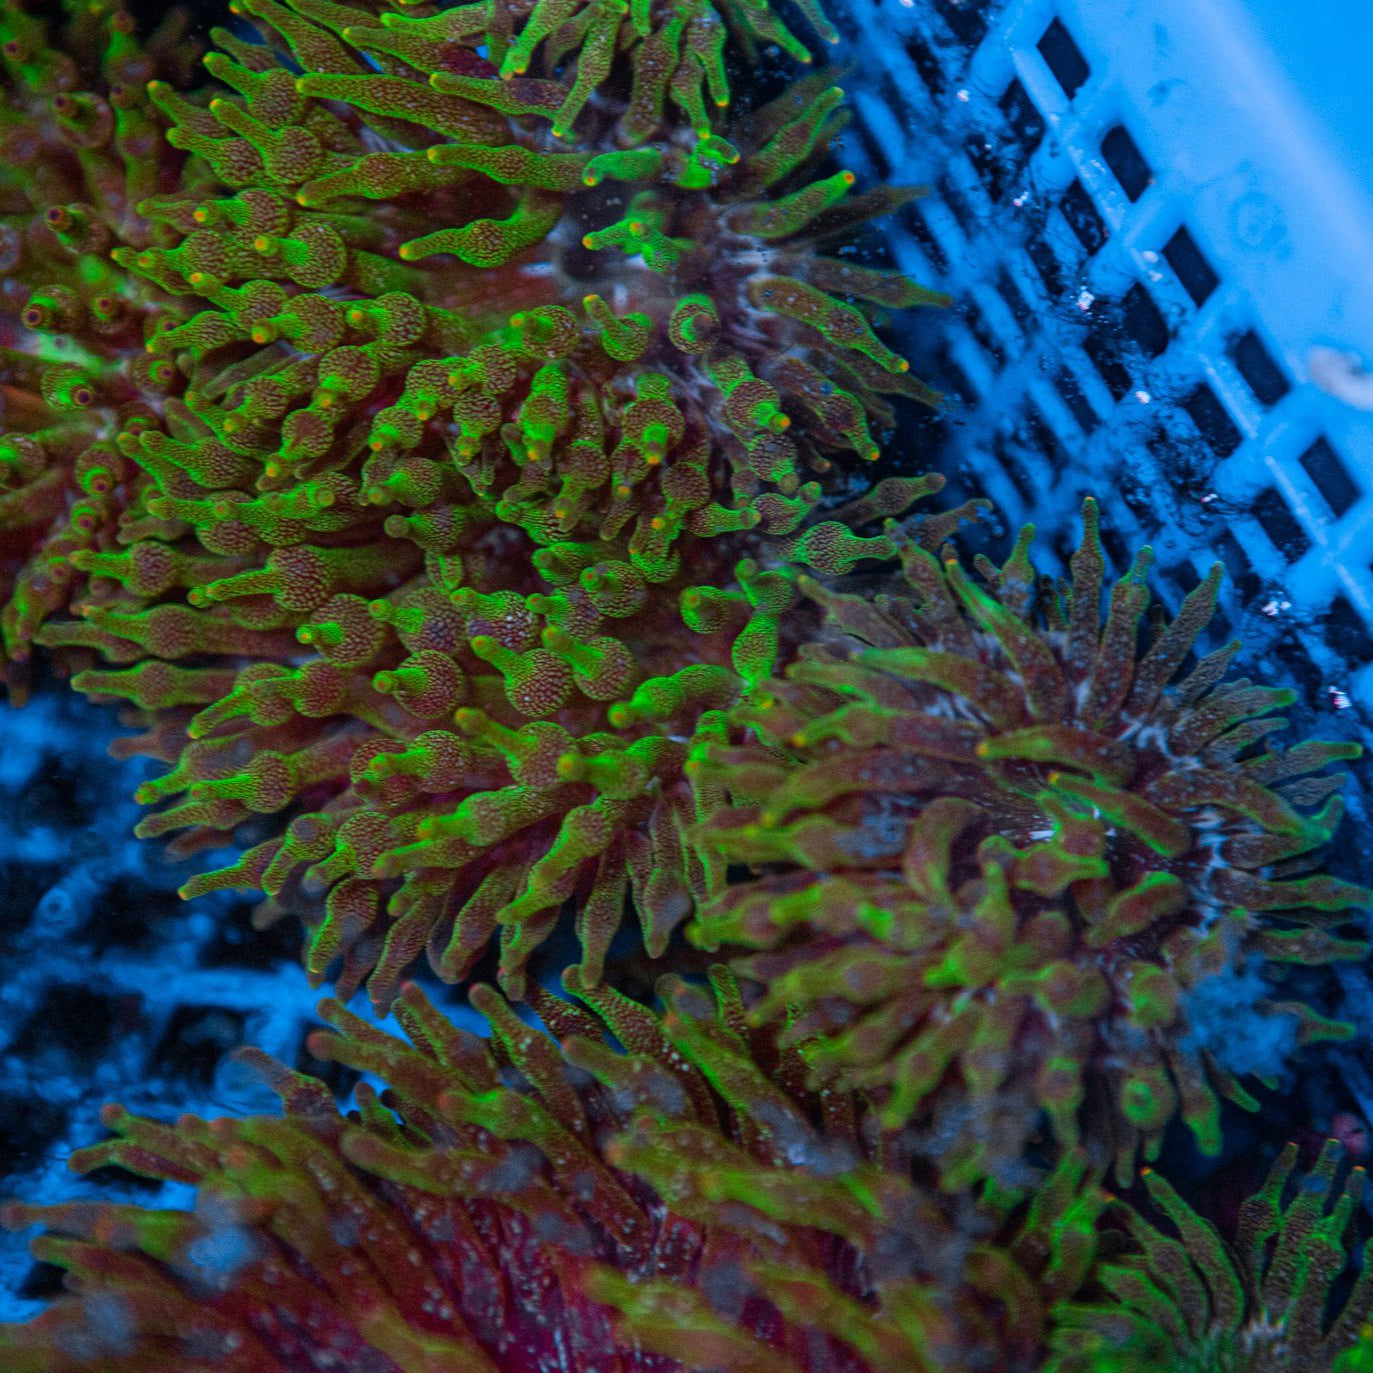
x=497, y=421
x=1002, y=844
x=1292, y=1293
x=681, y=1203
x=81, y=148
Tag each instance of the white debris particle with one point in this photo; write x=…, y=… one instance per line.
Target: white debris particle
x=1341, y=375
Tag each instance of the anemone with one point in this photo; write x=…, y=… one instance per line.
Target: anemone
x=82, y=148
x=453, y=378
x=996, y=846
x=510, y=1203
x=1183, y=1300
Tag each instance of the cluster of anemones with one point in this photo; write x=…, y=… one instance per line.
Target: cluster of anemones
x=435, y=433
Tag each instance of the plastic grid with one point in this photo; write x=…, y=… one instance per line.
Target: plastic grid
x=1154, y=260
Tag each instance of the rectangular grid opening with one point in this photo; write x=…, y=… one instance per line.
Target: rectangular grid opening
x=1239, y=571
x=992, y=169
x=1011, y=464
x=1015, y=300
x=1189, y=264
x=1330, y=477
x=966, y=19
x=876, y=151
x=1281, y=525
x=1184, y=577
x=1144, y=322
x=1346, y=631
x=983, y=332
x=1141, y=500
x=1083, y=217
x=1046, y=264
x=1123, y=157
x=926, y=64
x=1064, y=58
x=1022, y=117
x=1218, y=431
x=958, y=204
x=1116, y=549
x=955, y=381
x=1067, y=386
x=914, y=222
x=1298, y=663
x=1101, y=348
x=1256, y=365
x=1044, y=438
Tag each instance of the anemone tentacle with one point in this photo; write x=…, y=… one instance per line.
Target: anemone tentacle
x=494, y=429
x=509, y=1204
x=1000, y=843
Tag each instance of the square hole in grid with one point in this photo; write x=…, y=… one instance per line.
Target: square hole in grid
x=1184, y=577
x=958, y=203
x=914, y=222
x=1103, y=350
x=1281, y=525
x=1010, y=458
x=1064, y=58
x=1218, y=431
x=1196, y=275
x=1122, y=155
x=1239, y=571
x=1346, y=632
x=1219, y=629
x=1014, y=298
x=1046, y=263
x=71, y=1029
x=952, y=379
x=1144, y=321
x=1070, y=390
x=1330, y=476
x=1297, y=665
x=878, y=153
x=43, y=1282
x=1023, y=119
x=195, y=1041
x=1042, y=436
x=1258, y=368
x=1116, y=549
x=929, y=67
x=983, y=332
x=992, y=168
x=1137, y=488
x=1083, y=217
x=30, y=1129
x=967, y=20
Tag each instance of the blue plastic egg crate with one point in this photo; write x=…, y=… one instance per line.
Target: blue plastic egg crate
x=1153, y=220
